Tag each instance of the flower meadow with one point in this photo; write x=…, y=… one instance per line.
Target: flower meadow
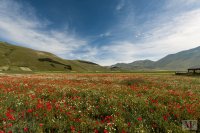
x=97, y=103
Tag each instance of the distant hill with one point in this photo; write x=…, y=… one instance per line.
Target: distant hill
x=16, y=58
x=178, y=61
x=141, y=64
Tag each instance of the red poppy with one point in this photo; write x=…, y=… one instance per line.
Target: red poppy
x=49, y=106
x=39, y=105
x=123, y=131
x=72, y=128
x=29, y=110
x=139, y=118
x=41, y=124
x=165, y=118
x=10, y=116
x=105, y=131
x=96, y=131
x=25, y=129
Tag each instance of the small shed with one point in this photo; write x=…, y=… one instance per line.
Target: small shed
x=194, y=69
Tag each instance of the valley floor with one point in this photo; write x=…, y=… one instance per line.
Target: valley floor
x=97, y=102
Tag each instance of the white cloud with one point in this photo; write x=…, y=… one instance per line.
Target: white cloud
x=107, y=34
x=179, y=33
x=165, y=34
x=120, y=5
x=20, y=25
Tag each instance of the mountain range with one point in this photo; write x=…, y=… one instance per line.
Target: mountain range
x=17, y=58
x=178, y=61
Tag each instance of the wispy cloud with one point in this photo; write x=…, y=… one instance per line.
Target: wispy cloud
x=174, y=27
x=107, y=34
x=175, y=3
x=169, y=32
x=120, y=5
x=22, y=26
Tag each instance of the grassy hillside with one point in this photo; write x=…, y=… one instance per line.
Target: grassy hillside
x=179, y=61
x=16, y=58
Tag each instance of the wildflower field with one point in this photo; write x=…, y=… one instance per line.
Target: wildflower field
x=97, y=103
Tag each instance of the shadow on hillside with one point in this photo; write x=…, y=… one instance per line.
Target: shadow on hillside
x=55, y=62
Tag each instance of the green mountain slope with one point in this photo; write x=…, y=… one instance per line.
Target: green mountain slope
x=16, y=58
x=179, y=61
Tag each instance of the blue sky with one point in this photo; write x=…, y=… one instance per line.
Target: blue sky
x=102, y=31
